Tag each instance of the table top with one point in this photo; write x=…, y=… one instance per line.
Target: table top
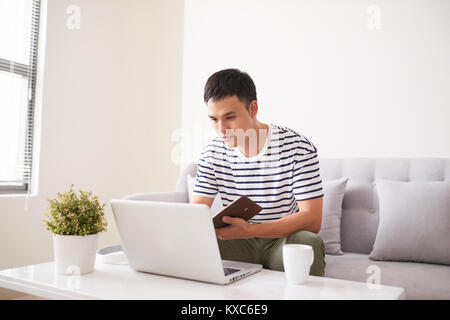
x=109, y=281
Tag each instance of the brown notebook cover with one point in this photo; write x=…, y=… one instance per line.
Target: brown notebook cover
x=242, y=207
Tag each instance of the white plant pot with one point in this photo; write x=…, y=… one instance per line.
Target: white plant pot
x=74, y=254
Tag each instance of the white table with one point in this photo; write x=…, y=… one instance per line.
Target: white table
x=121, y=282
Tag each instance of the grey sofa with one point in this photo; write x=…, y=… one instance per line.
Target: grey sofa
x=359, y=222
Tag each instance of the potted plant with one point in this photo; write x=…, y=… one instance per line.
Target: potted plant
x=75, y=221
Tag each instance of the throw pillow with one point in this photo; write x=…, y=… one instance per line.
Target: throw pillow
x=414, y=222
x=330, y=231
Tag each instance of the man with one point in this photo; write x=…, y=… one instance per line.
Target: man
x=274, y=166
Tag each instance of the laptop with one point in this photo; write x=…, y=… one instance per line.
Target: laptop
x=174, y=239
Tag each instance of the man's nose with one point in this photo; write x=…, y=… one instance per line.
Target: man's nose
x=222, y=128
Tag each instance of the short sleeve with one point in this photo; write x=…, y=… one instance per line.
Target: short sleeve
x=306, y=179
x=205, y=181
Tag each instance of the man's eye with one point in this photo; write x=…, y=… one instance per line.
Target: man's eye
x=230, y=118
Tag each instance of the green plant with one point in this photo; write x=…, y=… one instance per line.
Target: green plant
x=70, y=214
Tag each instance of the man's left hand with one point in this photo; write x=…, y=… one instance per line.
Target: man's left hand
x=238, y=228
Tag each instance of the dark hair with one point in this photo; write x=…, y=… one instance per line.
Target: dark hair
x=230, y=82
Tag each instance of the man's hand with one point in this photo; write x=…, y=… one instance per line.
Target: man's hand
x=238, y=228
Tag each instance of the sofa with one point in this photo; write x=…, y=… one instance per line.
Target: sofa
x=359, y=221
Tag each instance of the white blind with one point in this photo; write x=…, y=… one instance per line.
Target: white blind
x=19, y=33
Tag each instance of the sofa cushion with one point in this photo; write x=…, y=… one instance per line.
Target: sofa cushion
x=414, y=222
x=330, y=231
x=420, y=280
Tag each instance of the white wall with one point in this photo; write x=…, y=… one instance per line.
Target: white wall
x=111, y=100
x=355, y=85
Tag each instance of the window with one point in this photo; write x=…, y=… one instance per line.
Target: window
x=19, y=32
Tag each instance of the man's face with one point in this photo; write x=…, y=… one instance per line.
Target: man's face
x=226, y=116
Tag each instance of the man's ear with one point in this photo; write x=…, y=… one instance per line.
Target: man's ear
x=253, y=108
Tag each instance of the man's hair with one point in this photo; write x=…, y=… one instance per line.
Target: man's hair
x=230, y=82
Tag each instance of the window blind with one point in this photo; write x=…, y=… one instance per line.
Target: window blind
x=19, y=31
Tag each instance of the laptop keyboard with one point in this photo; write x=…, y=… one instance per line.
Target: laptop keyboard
x=229, y=271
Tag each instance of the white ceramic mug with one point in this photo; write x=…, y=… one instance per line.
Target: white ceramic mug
x=297, y=260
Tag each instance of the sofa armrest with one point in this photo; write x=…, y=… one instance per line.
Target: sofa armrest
x=173, y=196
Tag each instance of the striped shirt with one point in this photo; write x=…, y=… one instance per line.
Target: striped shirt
x=285, y=171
